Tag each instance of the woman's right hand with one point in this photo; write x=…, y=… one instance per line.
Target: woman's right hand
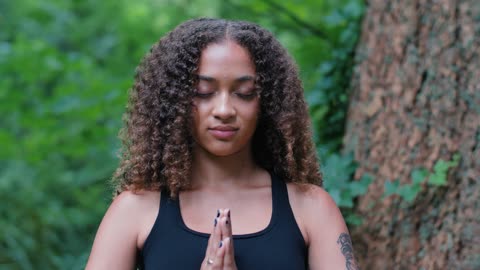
x=220, y=253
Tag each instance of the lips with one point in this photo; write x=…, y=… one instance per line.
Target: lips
x=223, y=132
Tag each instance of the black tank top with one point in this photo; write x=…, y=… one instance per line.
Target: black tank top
x=172, y=245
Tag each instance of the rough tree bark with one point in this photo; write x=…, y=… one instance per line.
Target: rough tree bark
x=415, y=100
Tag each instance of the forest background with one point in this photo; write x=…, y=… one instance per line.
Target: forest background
x=65, y=70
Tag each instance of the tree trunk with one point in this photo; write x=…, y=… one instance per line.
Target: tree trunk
x=416, y=100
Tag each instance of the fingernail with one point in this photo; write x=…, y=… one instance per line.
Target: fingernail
x=221, y=244
x=215, y=223
x=218, y=212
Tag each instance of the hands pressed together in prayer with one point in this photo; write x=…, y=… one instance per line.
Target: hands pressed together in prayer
x=220, y=253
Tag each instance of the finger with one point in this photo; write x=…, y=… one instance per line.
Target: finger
x=214, y=238
x=210, y=240
x=226, y=225
x=229, y=257
x=227, y=238
x=219, y=256
x=221, y=217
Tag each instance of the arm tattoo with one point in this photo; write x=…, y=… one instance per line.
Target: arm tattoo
x=347, y=251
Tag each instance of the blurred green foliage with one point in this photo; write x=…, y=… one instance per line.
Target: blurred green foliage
x=65, y=69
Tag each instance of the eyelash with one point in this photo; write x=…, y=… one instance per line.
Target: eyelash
x=247, y=96
x=201, y=95
x=242, y=96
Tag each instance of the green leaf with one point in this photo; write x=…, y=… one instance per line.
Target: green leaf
x=391, y=187
x=360, y=187
x=441, y=166
x=438, y=179
x=354, y=219
x=335, y=194
x=456, y=159
x=419, y=175
x=440, y=171
x=409, y=192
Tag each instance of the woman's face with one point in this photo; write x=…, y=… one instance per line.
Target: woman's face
x=226, y=105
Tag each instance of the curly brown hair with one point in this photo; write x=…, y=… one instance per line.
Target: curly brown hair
x=157, y=139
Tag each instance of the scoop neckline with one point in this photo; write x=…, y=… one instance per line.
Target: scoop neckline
x=272, y=222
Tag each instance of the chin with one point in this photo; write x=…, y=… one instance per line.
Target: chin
x=225, y=152
x=223, y=148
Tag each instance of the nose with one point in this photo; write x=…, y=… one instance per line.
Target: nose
x=223, y=107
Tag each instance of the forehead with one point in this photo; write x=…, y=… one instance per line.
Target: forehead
x=225, y=59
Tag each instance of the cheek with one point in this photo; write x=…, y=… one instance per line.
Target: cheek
x=196, y=113
x=199, y=117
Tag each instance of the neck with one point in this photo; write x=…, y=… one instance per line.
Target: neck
x=222, y=172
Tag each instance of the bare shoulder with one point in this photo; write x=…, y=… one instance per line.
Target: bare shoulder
x=141, y=208
x=313, y=199
x=315, y=210
x=129, y=200
x=131, y=216
x=128, y=205
x=328, y=241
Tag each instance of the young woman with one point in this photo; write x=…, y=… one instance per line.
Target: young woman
x=219, y=170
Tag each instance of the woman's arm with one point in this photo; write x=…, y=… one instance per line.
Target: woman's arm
x=329, y=242
x=115, y=244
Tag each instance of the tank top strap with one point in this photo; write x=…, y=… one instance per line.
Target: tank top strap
x=164, y=198
x=166, y=212
x=279, y=193
x=168, y=207
x=281, y=203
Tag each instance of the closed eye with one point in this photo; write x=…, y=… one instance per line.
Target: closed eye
x=247, y=96
x=203, y=95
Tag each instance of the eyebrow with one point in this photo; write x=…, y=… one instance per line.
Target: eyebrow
x=239, y=79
